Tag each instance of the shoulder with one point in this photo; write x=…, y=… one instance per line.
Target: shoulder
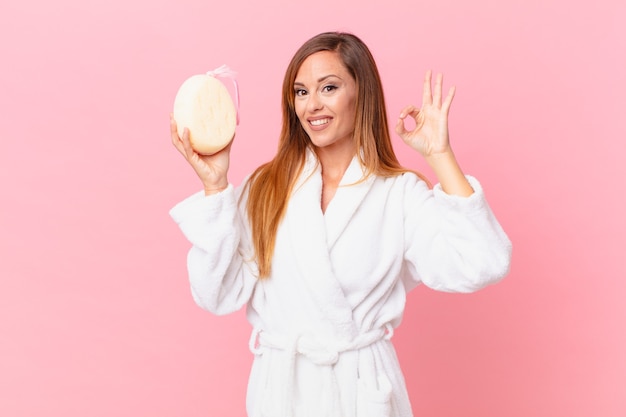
x=405, y=181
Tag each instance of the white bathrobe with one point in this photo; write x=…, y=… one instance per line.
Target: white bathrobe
x=323, y=321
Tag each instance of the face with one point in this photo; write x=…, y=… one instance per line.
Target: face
x=325, y=100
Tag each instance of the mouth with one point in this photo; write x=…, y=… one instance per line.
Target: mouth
x=320, y=122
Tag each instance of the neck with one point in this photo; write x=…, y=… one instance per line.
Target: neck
x=334, y=162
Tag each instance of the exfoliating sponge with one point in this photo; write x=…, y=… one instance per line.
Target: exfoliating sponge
x=204, y=106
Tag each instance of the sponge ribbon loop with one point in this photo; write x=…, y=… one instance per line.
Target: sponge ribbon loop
x=225, y=72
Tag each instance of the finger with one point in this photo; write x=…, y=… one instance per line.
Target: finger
x=178, y=140
x=427, y=95
x=409, y=110
x=437, y=93
x=400, y=128
x=184, y=145
x=173, y=129
x=189, y=152
x=448, y=101
x=175, y=138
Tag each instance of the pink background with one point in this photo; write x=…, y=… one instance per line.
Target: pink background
x=96, y=318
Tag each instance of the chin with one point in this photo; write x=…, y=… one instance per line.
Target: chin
x=321, y=143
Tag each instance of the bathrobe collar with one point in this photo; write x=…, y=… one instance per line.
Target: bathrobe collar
x=313, y=234
x=352, y=190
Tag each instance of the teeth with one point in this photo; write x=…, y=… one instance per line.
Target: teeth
x=319, y=122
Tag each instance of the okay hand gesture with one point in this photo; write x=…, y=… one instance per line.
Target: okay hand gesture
x=430, y=135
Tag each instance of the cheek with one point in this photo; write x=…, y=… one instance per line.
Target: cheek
x=299, y=107
x=350, y=111
x=347, y=106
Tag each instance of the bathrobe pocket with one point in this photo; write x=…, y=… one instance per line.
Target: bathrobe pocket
x=372, y=400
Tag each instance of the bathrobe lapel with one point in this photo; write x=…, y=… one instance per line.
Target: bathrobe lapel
x=312, y=235
x=349, y=196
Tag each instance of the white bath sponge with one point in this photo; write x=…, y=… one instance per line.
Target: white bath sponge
x=205, y=107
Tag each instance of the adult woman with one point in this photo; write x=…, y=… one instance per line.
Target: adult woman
x=322, y=243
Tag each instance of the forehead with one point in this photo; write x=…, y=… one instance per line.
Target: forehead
x=321, y=64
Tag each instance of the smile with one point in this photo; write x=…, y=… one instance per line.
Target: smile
x=319, y=122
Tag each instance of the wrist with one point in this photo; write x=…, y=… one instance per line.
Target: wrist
x=449, y=173
x=214, y=188
x=444, y=157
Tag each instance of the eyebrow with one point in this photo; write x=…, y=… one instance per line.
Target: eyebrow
x=319, y=79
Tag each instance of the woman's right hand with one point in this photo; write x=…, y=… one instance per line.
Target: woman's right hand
x=211, y=169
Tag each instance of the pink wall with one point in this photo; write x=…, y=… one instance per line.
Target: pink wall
x=96, y=318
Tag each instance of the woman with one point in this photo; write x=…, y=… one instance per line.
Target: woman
x=322, y=243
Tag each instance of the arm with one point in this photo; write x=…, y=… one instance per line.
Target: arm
x=222, y=272
x=431, y=139
x=221, y=264
x=454, y=242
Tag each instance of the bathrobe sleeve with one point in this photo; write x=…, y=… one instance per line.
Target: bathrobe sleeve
x=220, y=263
x=452, y=243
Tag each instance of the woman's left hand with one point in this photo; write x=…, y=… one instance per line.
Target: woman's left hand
x=430, y=135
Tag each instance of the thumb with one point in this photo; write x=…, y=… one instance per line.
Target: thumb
x=400, y=128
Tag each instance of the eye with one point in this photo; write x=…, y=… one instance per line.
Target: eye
x=300, y=92
x=329, y=88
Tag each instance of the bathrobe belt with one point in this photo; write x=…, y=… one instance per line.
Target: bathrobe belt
x=324, y=353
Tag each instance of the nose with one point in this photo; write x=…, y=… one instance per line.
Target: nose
x=314, y=103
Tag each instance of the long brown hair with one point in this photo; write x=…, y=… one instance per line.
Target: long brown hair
x=271, y=184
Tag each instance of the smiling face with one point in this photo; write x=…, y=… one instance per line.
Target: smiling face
x=325, y=100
